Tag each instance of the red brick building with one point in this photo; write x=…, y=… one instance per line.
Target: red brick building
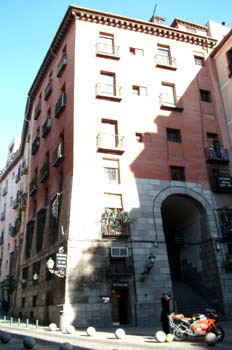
x=126, y=118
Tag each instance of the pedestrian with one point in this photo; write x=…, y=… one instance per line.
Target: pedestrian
x=165, y=303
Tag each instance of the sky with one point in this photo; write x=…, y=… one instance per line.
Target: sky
x=28, y=27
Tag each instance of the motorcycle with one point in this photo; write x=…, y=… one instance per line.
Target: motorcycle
x=197, y=325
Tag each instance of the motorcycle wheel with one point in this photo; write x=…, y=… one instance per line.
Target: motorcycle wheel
x=220, y=333
x=179, y=336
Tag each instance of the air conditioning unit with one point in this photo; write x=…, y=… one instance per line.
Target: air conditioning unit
x=119, y=252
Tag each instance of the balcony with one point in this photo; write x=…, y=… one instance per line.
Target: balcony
x=5, y=190
x=60, y=104
x=33, y=187
x=221, y=183
x=18, y=175
x=3, y=215
x=108, y=51
x=122, y=267
x=16, y=202
x=110, y=143
x=108, y=92
x=46, y=126
x=162, y=61
x=12, y=231
x=48, y=90
x=58, y=155
x=24, y=169
x=61, y=65
x=44, y=172
x=217, y=155
x=35, y=145
x=171, y=102
x=37, y=110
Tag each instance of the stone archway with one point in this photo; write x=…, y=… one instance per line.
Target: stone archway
x=185, y=221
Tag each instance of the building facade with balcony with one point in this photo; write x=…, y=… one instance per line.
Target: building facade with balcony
x=129, y=169
x=13, y=204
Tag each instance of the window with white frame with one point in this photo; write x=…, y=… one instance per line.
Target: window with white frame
x=111, y=171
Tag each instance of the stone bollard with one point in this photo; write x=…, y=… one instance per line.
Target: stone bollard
x=120, y=333
x=91, y=331
x=65, y=346
x=28, y=342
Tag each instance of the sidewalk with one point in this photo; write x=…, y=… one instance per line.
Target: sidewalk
x=132, y=332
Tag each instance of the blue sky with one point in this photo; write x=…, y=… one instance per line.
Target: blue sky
x=28, y=27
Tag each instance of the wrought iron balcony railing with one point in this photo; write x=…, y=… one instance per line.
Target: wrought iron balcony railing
x=46, y=126
x=33, y=187
x=171, y=102
x=217, y=155
x=58, y=154
x=164, y=61
x=107, y=50
x=117, y=228
x=48, y=90
x=61, y=65
x=24, y=168
x=108, y=91
x=35, y=145
x=110, y=143
x=3, y=215
x=37, y=110
x=44, y=172
x=60, y=104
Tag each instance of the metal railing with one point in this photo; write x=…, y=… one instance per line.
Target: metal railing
x=171, y=101
x=108, y=90
x=165, y=61
x=106, y=49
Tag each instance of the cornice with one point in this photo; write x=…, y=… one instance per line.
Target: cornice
x=143, y=27
x=126, y=23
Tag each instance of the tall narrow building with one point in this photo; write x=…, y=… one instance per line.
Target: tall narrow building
x=129, y=173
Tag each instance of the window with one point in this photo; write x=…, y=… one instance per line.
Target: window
x=113, y=201
x=41, y=219
x=109, y=131
x=111, y=171
x=119, y=252
x=199, y=61
x=168, y=94
x=46, y=196
x=62, y=63
x=136, y=51
x=106, y=44
x=29, y=238
x=164, y=55
x=139, y=137
x=174, y=135
x=139, y=90
x=177, y=173
x=229, y=60
x=205, y=95
x=108, y=83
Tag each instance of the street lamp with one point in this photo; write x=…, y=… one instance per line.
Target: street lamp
x=150, y=261
x=61, y=263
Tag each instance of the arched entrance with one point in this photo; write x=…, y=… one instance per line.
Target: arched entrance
x=185, y=228
x=190, y=247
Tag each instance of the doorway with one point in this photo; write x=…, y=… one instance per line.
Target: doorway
x=120, y=303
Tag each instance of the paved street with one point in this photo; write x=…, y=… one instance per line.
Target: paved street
x=136, y=338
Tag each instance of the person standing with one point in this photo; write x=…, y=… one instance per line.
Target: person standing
x=165, y=303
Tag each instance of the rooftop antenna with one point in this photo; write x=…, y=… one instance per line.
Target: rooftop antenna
x=154, y=10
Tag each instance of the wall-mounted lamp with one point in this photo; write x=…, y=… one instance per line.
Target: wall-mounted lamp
x=150, y=261
x=61, y=263
x=35, y=276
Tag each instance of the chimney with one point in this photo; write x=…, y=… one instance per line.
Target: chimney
x=158, y=20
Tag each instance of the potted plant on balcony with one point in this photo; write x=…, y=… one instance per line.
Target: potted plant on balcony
x=115, y=221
